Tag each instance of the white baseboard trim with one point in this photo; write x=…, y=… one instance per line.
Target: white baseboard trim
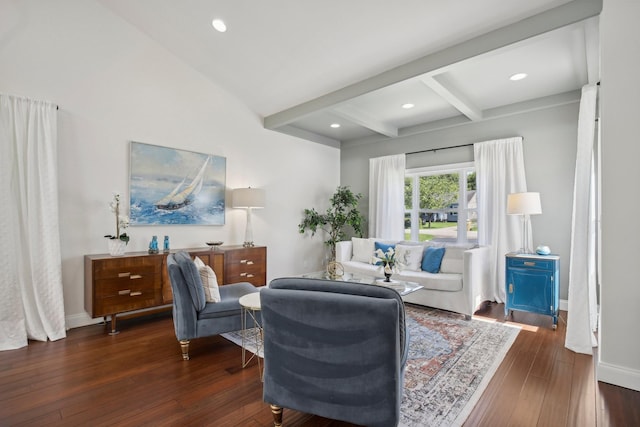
x=564, y=305
x=620, y=376
x=79, y=320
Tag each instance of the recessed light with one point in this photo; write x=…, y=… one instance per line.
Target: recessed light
x=335, y=125
x=408, y=106
x=219, y=25
x=518, y=76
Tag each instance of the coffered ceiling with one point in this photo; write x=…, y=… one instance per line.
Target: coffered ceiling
x=305, y=65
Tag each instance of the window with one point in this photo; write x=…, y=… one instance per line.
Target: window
x=440, y=203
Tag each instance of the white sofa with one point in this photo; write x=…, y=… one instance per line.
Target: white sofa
x=456, y=287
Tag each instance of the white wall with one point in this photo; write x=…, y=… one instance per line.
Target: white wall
x=549, y=154
x=115, y=85
x=619, y=93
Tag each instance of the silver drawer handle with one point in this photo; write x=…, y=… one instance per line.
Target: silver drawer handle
x=135, y=294
x=250, y=275
x=530, y=264
x=249, y=262
x=124, y=292
x=135, y=276
x=243, y=261
x=243, y=274
x=127, y=274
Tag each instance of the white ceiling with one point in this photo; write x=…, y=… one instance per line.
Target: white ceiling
x=302, y=65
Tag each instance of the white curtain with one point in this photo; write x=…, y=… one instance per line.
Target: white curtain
x=499, y=171
x=31, y=305
x=386, y=197
x=582, y=318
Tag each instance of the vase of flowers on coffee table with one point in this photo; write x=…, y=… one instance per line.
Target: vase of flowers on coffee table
x=387, y=260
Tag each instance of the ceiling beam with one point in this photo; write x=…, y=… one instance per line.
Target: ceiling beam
x=490, y=114
x=453, y=96
x=561, y=16
x=309, y=136
x=361, y=118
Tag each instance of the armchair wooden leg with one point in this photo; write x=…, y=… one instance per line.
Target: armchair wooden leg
x=184, y=346
x=277, y=415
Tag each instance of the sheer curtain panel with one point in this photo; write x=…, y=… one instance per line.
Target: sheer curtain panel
x=499, y=172
x=582, y=320
x=386, y=197
x=32, y=304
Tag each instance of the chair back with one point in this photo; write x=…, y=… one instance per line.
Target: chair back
x=334, y=349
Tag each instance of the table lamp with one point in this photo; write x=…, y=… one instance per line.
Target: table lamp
x=524, y=204
x=248, y=198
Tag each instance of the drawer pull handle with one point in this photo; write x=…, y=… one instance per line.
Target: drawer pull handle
x=243, y=274
x=249, y=262
x=127, y=274
x=510, y=288
x=530, y=264
x=124, y=292
x=250, y=275
x=135, y=294
x=243, y=261
x=135, y=276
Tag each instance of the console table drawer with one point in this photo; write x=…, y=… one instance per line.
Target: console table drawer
x=246, y=265
x=530, y=263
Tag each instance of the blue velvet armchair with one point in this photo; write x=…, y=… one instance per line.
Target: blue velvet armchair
x=334, y=349
x=193, y=316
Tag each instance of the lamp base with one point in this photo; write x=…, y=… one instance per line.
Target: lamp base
x=248, y=244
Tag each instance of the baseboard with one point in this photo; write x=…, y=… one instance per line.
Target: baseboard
x=564, y=305
x=619, y=376
x=79, y=320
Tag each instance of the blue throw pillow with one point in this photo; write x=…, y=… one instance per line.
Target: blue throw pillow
x=432, y=259
x=384, y=247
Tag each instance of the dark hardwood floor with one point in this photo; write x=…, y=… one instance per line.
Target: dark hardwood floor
x=138, y=378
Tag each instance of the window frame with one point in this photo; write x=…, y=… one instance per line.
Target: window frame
x=462, y=169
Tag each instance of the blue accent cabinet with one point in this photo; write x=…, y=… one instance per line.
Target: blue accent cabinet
x=532, y=283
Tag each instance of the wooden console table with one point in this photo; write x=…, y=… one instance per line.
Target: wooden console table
x=138, y=280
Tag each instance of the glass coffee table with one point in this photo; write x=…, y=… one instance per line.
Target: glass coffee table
x=401, y=286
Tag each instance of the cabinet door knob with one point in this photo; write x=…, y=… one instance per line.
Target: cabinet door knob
x=510, y=288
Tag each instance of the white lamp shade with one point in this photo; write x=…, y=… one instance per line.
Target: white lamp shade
x=524, y=204
x=248, y=198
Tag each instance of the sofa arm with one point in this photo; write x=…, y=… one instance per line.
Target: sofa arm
x=475, y=276
x=344, y=251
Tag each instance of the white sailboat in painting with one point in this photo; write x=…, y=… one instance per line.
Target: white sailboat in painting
x=183, y=196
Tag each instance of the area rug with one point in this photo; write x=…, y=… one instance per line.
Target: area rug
x=450, y=363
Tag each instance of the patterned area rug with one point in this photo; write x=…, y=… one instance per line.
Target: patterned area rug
x=450, y=363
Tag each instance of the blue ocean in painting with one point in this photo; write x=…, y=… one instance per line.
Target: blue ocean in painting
x=206, y=208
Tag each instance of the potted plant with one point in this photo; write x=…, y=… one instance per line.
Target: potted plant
x=343, y=212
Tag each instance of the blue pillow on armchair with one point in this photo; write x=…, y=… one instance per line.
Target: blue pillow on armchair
x=432, y=259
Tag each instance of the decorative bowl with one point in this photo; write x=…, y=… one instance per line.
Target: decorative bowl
x=214, y=243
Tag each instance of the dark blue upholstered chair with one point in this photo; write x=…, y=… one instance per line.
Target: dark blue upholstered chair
x=193, y=317
x=334, y=349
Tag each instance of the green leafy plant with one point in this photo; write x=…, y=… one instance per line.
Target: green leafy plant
x=343, y=212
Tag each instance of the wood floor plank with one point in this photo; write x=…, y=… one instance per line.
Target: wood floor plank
x=138, y=378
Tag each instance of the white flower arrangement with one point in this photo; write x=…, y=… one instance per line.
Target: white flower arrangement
x=386, y=260
x=122, y=221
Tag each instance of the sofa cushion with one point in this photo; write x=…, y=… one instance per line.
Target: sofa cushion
x=432, y=259
x=438, y=282
x=362, y=249
x=209, y=281
x=453, y=260
x=410, y=256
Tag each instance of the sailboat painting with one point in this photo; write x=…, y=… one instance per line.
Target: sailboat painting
x=171, y=186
